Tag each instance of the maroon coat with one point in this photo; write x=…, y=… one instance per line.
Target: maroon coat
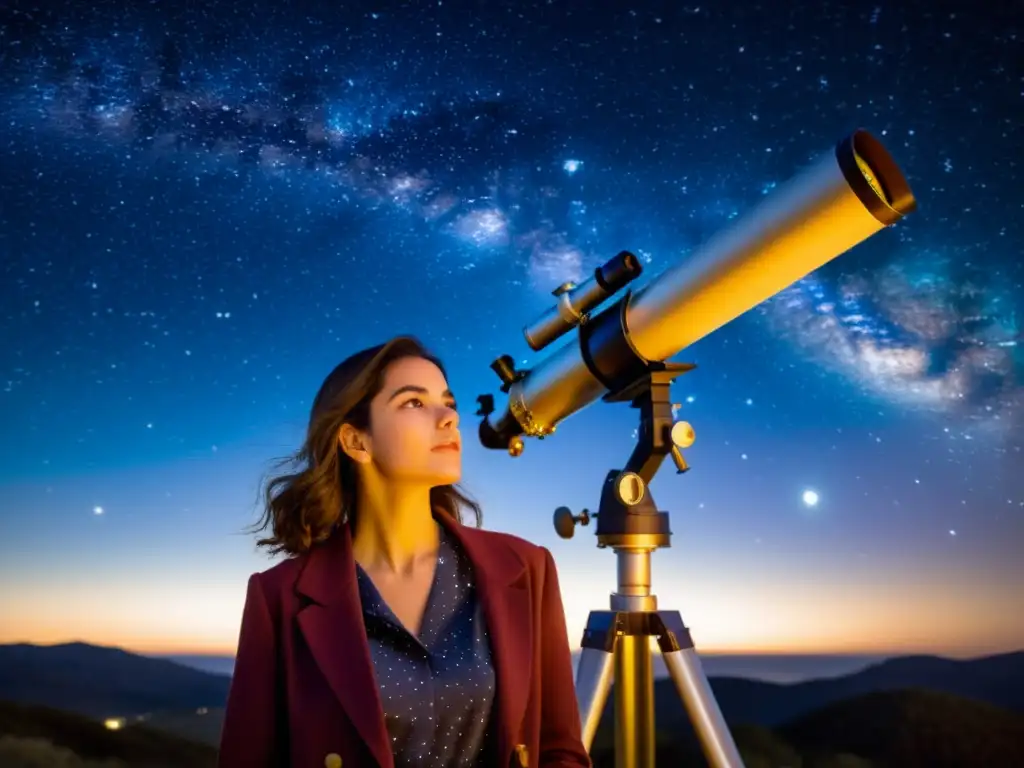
x=304, y=693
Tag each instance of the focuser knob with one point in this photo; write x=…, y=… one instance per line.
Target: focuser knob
x=564, y=288
x=486, y=403
x=505, y=367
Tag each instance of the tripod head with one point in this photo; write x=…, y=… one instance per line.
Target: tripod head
x=627, y=516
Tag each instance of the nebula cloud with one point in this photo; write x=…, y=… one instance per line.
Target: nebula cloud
x=926, y=331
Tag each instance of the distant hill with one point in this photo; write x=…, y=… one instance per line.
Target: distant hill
x=104, y=682
x=996, y=680
x=892, y=729
x=913, y=729
x=41, y=736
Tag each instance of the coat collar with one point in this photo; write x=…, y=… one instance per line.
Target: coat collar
x=333, y=627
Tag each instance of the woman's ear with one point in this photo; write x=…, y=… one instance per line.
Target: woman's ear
x=354, y=443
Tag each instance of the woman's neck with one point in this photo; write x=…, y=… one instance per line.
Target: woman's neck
x=394, y=528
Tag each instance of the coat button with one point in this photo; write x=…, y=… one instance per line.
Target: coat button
x=333, y=760
x=522, y=756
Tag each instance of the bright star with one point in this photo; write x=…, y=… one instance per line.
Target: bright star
x=810, y=498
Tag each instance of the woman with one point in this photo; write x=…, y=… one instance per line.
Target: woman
x=393, y=635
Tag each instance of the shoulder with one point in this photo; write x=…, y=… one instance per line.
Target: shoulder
x=276, y=584
x=533, y=556
x=502, y=541
x=284, y=572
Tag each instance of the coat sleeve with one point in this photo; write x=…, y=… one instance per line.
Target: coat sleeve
x=252, y=734
x=561, y=743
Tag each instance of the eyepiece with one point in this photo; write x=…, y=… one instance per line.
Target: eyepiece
x=618, y=272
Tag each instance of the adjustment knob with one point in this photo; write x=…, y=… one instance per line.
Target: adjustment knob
x=682, y=434
x=630, y=488
x=566, y=521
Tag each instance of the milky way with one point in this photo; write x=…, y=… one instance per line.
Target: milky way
x=474, y=165
x=926, y=328
x=924, y=331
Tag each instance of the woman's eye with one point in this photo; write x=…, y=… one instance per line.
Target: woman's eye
x=416, y=402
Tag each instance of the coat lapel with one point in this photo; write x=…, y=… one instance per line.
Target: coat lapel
x=502, y=582
x=333, y=627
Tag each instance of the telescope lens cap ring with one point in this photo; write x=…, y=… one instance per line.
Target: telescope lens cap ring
x=630, y=488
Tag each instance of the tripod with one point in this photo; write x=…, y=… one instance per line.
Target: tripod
x=616, y=643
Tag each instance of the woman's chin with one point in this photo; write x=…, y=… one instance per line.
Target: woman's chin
x=450, y=478
x=445, y=476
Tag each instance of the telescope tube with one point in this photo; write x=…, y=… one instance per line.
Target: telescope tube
x=837, y=203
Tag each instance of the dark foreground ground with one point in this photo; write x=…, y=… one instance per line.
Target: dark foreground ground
x=899, y=729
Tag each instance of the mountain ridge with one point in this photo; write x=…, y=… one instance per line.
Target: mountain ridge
x=105, y=681
x=874, y=718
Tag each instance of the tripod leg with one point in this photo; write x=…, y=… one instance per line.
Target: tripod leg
x=692, y=684
x=634, y=702
x=593, y=682
x=594, y=673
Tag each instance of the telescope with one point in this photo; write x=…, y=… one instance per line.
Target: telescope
x=621, y=353
x=840, y=201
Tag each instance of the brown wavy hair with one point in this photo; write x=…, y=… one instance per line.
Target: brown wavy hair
x=303, y=507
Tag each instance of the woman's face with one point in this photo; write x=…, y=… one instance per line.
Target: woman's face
x=414, y=429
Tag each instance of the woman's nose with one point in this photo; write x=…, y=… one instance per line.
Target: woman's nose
x=449, y=417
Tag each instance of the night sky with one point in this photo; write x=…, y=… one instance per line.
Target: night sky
x=202, y=212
